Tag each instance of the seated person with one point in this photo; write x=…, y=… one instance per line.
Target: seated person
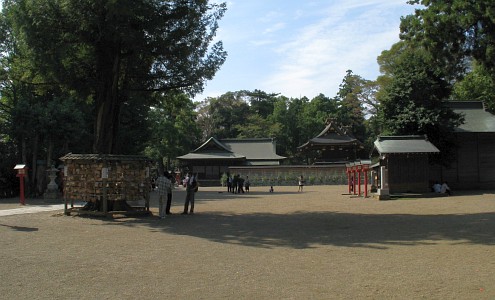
x=437, y=188
x=445, y=188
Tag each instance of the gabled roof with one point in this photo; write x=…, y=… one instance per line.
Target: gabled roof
x=211, y=145
x=404, y=144
x=261, y=150
x=332, y=135
x=476, y=117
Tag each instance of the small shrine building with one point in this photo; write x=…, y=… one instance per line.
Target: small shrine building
x=335, y=144
x=215, y=156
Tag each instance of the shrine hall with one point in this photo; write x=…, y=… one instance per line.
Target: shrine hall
x=335, y=144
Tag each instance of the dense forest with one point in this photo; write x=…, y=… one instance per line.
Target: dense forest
x=119, y=77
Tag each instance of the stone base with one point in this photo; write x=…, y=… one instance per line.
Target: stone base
x=50, y=195
x=383, y=194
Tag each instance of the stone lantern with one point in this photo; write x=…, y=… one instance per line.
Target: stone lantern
x=52, y=188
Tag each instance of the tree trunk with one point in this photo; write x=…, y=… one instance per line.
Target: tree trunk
x=107, y=104
x=49, y=152
x=34, y=165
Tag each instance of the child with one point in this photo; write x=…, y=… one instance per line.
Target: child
x=301, y=183
x=271, y=189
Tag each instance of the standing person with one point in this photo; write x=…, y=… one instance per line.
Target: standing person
x=162, y=184
x=240, y=185
x=177, y=179
x=229, y=183
x=170, y=186
x=235, y=182
x=191, y=188
x=301, y=183
x=247, y=183
x=185, y=180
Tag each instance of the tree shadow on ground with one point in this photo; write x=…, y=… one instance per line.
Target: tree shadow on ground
x=303, y=230
x=20, y=228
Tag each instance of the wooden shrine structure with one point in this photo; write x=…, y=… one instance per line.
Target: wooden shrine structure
x=474, y=164
x=335, y=144
x=215, y=156
x=357, y=173
x=402, y=164
x=103, y=184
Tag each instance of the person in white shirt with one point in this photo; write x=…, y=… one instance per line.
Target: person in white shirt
x=164, y=186
x=191, y=188
x=446, y=189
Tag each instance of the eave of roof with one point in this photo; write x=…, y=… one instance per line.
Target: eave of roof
x=404, y=145
x=104, y=157
x=476, y=118
x=212, y=156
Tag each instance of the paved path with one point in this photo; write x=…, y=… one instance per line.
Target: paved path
x=30, y=209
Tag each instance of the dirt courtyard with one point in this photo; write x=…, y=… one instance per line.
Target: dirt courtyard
x=319, y=244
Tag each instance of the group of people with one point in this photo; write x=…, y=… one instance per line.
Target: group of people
x=442, y=188
x=164, y=187
x=165, y=184
x=237, y=184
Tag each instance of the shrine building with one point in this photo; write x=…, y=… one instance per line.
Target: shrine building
x=214, y=157
x=334, y=145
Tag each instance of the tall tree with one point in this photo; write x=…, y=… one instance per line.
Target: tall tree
x=109, y=49
x=412, y=100
x=220, y=115
x=261, y=103
x=477, y=85
x=174, y=130
x=350, y=110
x=454, y=32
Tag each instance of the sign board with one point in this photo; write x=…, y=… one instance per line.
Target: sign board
x=104, y=173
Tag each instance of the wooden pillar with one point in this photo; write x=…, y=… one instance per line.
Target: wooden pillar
x=354, y=181
x=348, y=180
x=365, y=183
x=359, y=180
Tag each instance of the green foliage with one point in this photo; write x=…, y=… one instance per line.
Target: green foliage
x=454, y=32
x=351, y=111
x=219, y=116
x=174, y=130
x=478, y=85
x=223, y=179
x=412, y=100
x=109, y=50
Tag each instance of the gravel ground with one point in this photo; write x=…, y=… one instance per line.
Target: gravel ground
x=319, y=244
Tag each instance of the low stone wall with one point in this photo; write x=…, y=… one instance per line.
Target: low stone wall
x=289, y=175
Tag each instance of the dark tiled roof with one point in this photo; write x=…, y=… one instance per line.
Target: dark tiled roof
x=103, y=157
x=253, y=149
x=262, y=149
x=476, y=118
x=404, y=144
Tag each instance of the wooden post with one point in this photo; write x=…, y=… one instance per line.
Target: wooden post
x=348, y=179
x=359, y=180
x=354, y=180
x=365, y=183
x=104, y=177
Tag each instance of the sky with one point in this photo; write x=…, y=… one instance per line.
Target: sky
x=303, y=47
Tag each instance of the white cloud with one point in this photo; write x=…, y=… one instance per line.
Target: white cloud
x=275, y=27
x=303, y=48
x=345, y=37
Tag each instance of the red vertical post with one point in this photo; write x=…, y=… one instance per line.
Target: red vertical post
x=21, y=191
x=365, y=183
x=348, y=180
x=359, y=181
x=354, y=181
